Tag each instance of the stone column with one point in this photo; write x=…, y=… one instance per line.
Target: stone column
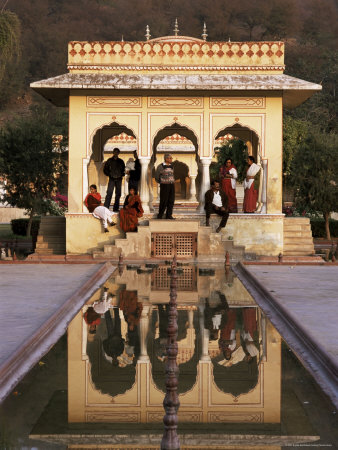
x=125, y=182
x=205, y=182
x=143, y=330
x=85, y=182
x=264, y=163
x=192, y=197
x=144, y=188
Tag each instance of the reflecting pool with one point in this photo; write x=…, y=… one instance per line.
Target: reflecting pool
x=239, y=384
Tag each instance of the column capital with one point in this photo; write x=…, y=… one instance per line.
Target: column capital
x=206, y=161
x=144, y=159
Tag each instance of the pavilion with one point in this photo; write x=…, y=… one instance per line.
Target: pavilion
x=185, y=93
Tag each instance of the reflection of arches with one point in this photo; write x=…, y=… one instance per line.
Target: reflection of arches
x=186, y=162
x=189, y=357
x=108, y=379
x=238, y=379
x=249, y=136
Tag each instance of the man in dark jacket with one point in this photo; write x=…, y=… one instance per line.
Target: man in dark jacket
x=216, y=202
x=114, y=168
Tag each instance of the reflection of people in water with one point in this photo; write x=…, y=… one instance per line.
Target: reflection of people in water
x=215, y=313
x=244, y=320
x=113, y=345
x=104, y=303
x=92, y=318
x=132, y=310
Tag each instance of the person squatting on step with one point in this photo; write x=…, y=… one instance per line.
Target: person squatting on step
x=94, y=205
x=114, y=168
x=164, y=175
x=216, y=202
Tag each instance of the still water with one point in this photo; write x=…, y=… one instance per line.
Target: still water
x=102, y=385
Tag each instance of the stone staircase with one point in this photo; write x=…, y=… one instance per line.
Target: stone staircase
x=298, y=239
x=211, y=246
x=52, y=236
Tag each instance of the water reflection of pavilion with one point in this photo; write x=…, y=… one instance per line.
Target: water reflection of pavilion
x=211, y=390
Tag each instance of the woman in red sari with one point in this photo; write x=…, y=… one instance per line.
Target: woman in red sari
x=131, y=211
x=228, y=176
x=251, y=186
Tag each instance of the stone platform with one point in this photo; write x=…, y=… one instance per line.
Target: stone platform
x=36, y=305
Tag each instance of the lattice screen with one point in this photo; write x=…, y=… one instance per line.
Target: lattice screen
x=186, y=280
x=166, y=245
x=162, y=244
x=185, y=244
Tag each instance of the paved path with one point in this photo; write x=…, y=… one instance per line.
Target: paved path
x=36, y=304
x=306, y=299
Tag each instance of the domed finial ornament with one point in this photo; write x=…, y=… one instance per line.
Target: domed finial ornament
x=204, y=34
x=147, y=35
x=176, y=30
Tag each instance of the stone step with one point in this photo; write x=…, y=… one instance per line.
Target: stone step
x=297, y=253
x=111, y=250
x=306, y=234
x=51, y=239
x=298, y=240
x=300, y=249
x=296, y=227
x=296, y=220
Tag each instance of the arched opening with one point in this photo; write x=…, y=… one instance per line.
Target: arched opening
x=182, y=143
x=105, y=140
x=243, y=142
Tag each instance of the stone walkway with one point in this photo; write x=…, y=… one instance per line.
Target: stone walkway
x=37, y=302
x=302, y=303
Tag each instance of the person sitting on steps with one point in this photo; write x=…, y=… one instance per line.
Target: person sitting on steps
x=94, y=205
x=216, y=202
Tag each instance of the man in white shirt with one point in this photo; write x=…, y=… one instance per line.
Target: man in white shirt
x=216, y=202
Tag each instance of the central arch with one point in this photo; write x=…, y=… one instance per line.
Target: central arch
x=182, y=143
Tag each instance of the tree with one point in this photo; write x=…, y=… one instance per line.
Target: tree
x=9, y=38
x=315, y=174
x=29, y=162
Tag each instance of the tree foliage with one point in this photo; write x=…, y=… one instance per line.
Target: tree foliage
x=314, y=174
x=235, y=149
x=30, y=163
x=10, y=31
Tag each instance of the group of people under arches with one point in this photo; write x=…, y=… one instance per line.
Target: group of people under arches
x=219, y=199
x=228, y=176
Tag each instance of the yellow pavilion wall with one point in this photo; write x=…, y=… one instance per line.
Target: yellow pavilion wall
x=205, y=116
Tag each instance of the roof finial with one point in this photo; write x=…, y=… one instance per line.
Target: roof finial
x=204, y=34
x=176, y=30
x=147, y=35
x=229, y=39
x=122, y=40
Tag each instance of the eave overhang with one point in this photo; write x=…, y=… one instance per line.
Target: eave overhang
x=58, y=89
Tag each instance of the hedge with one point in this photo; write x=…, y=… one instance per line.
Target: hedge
x=318, y=228
x=19, y=226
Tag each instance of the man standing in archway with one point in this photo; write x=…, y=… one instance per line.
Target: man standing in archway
x=165, y=176
x=114, y=168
